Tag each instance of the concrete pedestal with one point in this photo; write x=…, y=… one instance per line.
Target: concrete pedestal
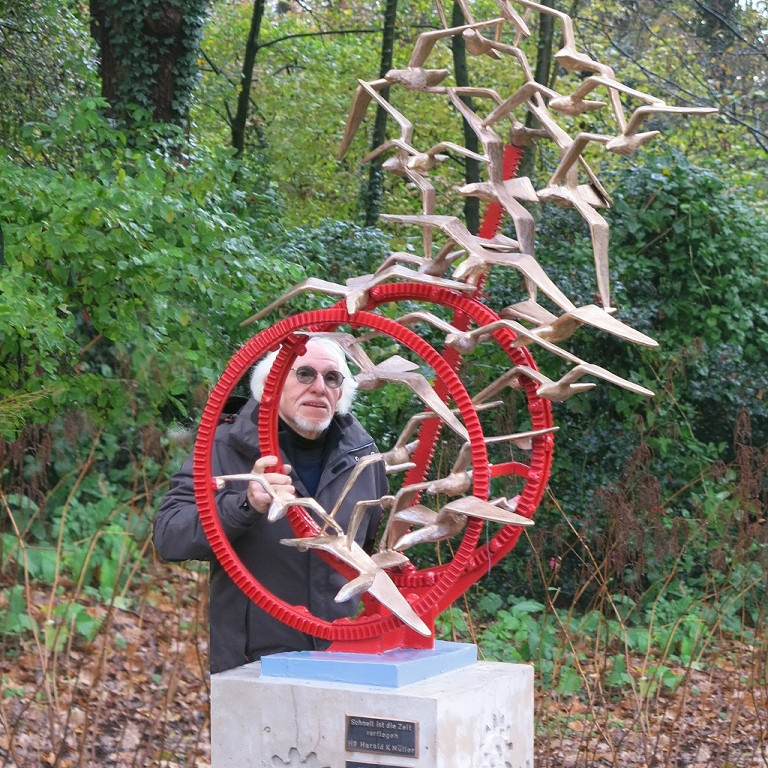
x=478, y=716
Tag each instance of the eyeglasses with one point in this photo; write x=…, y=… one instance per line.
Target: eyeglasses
x=306, y=374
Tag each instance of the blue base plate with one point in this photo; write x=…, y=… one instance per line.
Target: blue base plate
x=391, y=669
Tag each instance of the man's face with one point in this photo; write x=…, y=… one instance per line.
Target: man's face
x=309, y=408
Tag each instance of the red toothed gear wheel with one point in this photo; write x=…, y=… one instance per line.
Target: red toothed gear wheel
x=429, y=590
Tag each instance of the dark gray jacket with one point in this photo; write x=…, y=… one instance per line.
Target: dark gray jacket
x=240, y=631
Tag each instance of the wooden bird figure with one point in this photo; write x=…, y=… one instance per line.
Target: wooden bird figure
x=465, y=341
x=417, y=420
x=363, y=94
x=415, y=78
x=436, y=265
x=372, y=579
x=630, y=139
x=520, y=188
x=493, y=149
x=356, y=291
x=556, y=391
x=566, y=386
x=406, y=126
x=508, y=12
x=564, y=190
x=355, y=298
x=523, y=440
x=399, y=165
x=426, y=40
x=575, y=104
x=554, y=329
x=421, y=162
x=451, y=519
x=522, y=95
x=281, y=500
x=480, y=258
x=568, y=57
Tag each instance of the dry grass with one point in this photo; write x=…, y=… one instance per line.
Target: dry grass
x=137, y=695
x=128, y=685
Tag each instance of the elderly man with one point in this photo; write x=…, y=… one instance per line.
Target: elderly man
x=321, y=442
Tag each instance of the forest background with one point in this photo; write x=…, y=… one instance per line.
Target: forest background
x=170, y=167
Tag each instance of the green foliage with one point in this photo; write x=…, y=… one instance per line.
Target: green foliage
x=658, y=582
x=297, y=108
x=46, y=59
x=306, y=71
x=14, y=616
x=688, y=262
x=126, y=275
x=694, y=255
x=647, y=644
x=680, y=232
x=129, y=264
x=85, y=541
x=339, y=250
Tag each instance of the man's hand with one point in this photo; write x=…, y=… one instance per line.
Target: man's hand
x=275, y=485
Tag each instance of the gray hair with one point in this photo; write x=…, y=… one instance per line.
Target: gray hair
x=348, y=386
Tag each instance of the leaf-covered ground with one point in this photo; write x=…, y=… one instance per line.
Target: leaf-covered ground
x=138, y=696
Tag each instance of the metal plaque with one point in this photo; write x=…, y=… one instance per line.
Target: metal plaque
x=355, y=764
x=382, y=735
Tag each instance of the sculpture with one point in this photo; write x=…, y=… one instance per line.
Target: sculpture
x=400, y=601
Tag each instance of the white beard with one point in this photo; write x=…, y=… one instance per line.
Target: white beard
x=311, y=428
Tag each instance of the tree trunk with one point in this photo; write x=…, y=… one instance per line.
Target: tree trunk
x=238, y=122
x=542, y=74
x=471, y=166
x=101, y=26
x=373, y=191
x=165, y=26
x=148, y=56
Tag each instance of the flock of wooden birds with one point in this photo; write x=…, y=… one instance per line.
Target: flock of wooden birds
x=454, y=258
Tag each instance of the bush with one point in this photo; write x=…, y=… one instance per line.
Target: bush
x=688, y=266
x=47, y=59
x=127, y=274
